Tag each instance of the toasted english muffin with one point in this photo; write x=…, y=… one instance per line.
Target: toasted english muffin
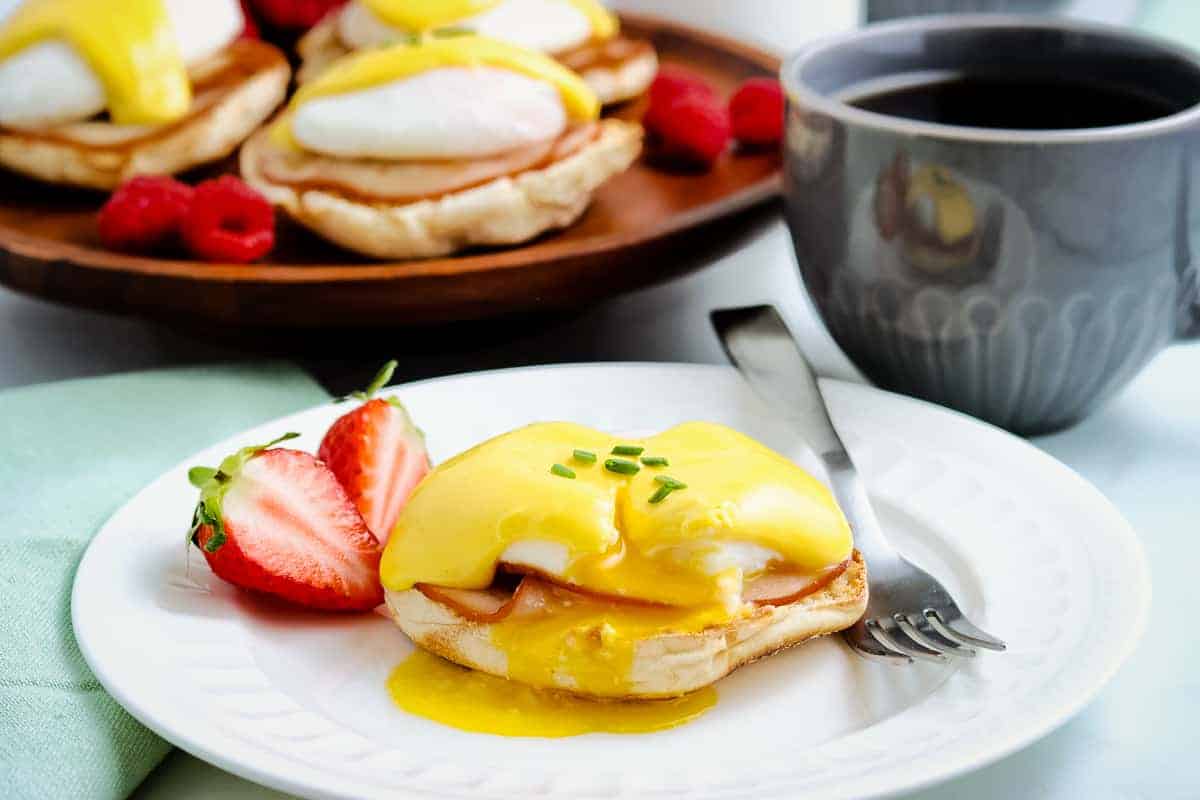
x=617, y=70
x=234, y=92
x=504, y=210
x=666, y=664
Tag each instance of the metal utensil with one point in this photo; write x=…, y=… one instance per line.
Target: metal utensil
x=910, y=615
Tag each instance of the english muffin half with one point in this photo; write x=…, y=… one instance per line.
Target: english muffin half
x=665, y=663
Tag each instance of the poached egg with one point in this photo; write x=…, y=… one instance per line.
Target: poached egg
x=459, y=97
x=65, y=61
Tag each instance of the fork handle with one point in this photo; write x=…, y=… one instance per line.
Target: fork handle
x=760, y=345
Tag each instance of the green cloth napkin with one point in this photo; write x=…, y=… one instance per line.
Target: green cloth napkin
x=71, y=454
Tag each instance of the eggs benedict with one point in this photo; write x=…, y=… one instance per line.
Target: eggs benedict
x=581, y=34
x=565, y=558
x=91, y=95
x=422, y=149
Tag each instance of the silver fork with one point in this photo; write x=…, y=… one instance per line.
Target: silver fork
x=910, y=615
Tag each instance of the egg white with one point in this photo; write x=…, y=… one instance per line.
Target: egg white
x=50, y=83
x=444, y=113
x=551, y=26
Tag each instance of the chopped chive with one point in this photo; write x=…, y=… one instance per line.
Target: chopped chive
x=655, y=461
x=661, y=494
x=627, y=450
x=669, y=482
x=621, y=466
x=586, y=456
x=563, y=472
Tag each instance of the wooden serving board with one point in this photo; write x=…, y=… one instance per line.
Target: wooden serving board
x=645, y=225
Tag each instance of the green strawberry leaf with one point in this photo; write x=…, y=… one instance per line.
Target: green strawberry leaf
x=198, y=476
x=378, y=382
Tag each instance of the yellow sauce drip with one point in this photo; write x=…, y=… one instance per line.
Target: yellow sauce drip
x=954, y=213
x=132, y=51
x=465, y=514
x=604, y=22
x=462, y=698
x=424, y=15
x=374, y=67
x=592, y=644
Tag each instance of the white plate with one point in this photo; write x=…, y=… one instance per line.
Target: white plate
x=297, y=700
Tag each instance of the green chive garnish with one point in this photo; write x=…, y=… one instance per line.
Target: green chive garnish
x=669, y=482
x=621, y=466
x=655, y=461
x=563, y=472
x=661, y=494
x=627, y=450
x=586, y=456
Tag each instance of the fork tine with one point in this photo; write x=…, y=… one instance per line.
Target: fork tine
x=912, y=626
x=887, y=638
x=963, y=632
x=864, y=644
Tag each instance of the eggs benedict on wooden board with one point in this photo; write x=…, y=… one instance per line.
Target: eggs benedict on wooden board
x=90, y=97
x=581, y=34
x=565, y=558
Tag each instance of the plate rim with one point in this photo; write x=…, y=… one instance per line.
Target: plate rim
x=1049, y=721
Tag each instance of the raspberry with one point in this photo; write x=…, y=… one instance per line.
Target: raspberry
x=295, y=14
x=229, y=221
x=144, y=214
x=691, y=130
x=674, y=82
x=757, y=112
x=250, y=29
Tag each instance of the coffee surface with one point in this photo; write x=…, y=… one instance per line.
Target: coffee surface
x=1017, y=103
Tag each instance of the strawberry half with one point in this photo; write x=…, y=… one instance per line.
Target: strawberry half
x=277, y=521
x=378, y=455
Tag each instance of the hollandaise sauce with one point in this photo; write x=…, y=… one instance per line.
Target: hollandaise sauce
x=427, y=15
x=469, y=700
x=612, y=537
x=132, y=51
x=424, y=15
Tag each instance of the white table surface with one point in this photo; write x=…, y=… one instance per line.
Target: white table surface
x=1142, y=450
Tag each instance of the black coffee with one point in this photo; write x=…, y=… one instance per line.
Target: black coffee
x=1017, y=103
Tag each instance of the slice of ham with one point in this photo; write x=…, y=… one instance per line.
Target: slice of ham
x=372, y=180
x=781, y=588
x=490, y=605
x=534, y=593
x=573, y=590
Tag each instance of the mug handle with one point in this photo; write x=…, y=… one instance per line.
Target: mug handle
x=1185, y=266
x=1189, y=318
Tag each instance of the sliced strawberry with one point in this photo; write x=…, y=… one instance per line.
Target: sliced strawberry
x=378, y=455
x=781, y=588
x=277, y=521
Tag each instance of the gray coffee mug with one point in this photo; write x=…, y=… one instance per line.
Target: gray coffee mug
x=1022, y=276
